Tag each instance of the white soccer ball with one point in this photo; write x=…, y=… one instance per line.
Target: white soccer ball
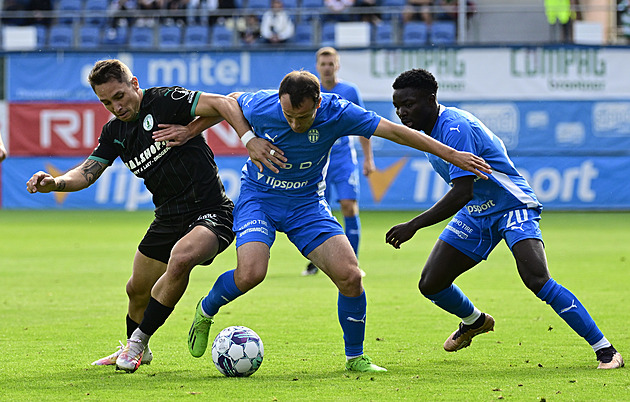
x=237, y=351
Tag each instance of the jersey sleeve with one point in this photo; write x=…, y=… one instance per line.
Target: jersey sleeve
x=181, y=102
x=105, y=152
x=458, y=135
x=355, y=120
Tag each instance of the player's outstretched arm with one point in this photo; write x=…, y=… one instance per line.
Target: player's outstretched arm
x=177, y=135
x=368, y=157
x=75, y=179
x=406, y=136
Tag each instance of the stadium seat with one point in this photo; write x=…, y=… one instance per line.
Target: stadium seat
x=383, y=34
x=303, y=34
x=415, y=33
x=89, y=37
x=61, y=37
x=328, y=34
x=68, y=11
x=258, y=4
x=42, y=36
x=115, y=36
x=443, y=33
x=196, y=36
x=290, y=4
x=96, y=12
x=170, y=37
x=141, y=38
x=393, y=5
x=311, y=7
x=221, y=36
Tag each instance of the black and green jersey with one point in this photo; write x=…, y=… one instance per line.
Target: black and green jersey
x=182, y=179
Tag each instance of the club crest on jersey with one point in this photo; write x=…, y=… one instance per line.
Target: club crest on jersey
x=313, y=135
x=147, y=124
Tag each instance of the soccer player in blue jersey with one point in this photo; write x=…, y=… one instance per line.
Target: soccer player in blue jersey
x=295, y=128
x=485, y=212
x=343, y=168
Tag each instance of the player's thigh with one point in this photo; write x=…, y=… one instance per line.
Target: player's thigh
x=197, y=246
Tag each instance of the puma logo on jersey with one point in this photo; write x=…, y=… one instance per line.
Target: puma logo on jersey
x=122, y=143
x=271, y=139
x=455, y=129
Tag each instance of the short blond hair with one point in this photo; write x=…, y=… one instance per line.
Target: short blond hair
x=327, y=51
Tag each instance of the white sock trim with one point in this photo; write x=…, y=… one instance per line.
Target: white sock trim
x=472, y=318
x=603, y=343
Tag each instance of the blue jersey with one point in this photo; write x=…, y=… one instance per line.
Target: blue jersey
x=306, y=153
x=347, y=91
x=505, y=188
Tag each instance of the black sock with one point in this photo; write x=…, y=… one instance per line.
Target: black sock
x=131, y=326
x=154, y=317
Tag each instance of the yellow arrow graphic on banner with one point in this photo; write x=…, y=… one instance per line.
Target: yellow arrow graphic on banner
x=54, y=172
x=381, y=180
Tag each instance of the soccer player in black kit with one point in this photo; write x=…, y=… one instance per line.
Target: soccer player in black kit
x=193, y=215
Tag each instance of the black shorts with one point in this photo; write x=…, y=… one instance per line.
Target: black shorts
x=164, y=232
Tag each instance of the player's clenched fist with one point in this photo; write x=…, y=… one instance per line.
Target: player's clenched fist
x=41, y=182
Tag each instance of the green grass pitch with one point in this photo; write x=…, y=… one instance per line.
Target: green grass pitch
x=63, y=304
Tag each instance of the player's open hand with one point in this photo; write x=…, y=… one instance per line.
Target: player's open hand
x=472, y=163
x=262, y=152
x=41, y=182
x=400, y=234
x=173, y=134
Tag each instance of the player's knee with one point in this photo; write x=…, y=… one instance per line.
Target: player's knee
x=535, y=282
x=349, y=281
x=248, y=277
x=180, y=264
x=137, y=292
x=428, y=287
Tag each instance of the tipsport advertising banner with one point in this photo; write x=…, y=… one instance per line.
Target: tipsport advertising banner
x=464, y=74
x=400, y=183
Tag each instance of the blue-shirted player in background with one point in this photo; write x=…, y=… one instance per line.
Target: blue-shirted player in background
x=343, y=168
x=295, y=128
x=486, y=211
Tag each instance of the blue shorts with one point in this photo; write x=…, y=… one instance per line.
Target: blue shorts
x=343, y=175
x=477, y=236
x=307, y=222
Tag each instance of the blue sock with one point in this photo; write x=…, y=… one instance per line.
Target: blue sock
x=453, y=300
x=351, y=311
x=570, y=310
x=223, y=292
x=353, y=231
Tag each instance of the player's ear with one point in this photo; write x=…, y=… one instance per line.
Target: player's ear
x=319, y=102
x=134, y=83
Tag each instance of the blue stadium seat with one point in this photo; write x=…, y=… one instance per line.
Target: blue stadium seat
x=303, y=34
x=328, y=34
x=96, y=12
x=221, y=36
x=42, y=36
x=415, y=33
x=68, y=11
x=443, y=33
x=89, y=37
x=196, y=36
x=383, y=34
x=310, y=6
x=170, y=37
x=141, y=38
x=290, y=4
x=115, y=36
x=392, y=5
x=61, y=37
x=258, y=4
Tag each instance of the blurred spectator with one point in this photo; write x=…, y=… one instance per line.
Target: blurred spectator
x=338, y=10
x=15, y=6
x=623, y=17
x=276, y=25
x=248, y=28
x=417, y=10
x=221, y=5
x=176, y=12
x=3, y=150
x=448, y=10
x=119, y=12
x=40, y=12
x=148, y=20
x=372, y=18
x=560, y=15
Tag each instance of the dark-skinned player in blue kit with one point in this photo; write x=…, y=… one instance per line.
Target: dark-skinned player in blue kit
x=483, y=212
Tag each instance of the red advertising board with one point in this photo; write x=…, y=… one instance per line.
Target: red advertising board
x=72, y=129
